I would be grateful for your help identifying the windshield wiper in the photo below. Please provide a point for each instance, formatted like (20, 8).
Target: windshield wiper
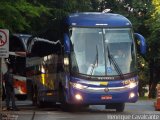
(95, 61)
(111, 59)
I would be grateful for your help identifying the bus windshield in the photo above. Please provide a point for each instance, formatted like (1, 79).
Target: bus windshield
(102, 51)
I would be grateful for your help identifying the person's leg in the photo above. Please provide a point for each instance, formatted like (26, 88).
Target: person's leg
(13, 99)
(7, 98)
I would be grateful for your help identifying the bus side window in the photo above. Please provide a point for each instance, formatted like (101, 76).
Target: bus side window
(40, 49)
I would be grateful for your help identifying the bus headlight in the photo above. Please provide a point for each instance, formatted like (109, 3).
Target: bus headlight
(79, 86)
(132, 85)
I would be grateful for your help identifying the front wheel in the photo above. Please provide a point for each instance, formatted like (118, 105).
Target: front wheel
(41, 104)
(118, 106)
(64, 105)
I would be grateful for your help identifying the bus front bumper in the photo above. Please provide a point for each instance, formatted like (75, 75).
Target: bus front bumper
(101, 96)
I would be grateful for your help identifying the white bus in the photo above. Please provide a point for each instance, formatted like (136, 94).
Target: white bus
(17, 60)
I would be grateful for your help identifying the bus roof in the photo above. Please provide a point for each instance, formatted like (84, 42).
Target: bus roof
(97, 19)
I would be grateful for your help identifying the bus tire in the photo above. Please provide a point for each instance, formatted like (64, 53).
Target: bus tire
(120, 107)
(41, 104)
(34, 96)
(64, 105)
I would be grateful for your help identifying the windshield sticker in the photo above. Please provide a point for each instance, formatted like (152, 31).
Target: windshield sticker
(109, 70)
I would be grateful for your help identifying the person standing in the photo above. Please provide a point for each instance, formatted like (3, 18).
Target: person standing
(9, 88)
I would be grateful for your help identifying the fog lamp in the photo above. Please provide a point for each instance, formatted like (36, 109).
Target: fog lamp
(131, 95)
(78, 97)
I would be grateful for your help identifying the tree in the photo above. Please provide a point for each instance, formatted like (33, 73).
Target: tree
(33, 16)
(153, 44)
(58, 9)
(16, 15)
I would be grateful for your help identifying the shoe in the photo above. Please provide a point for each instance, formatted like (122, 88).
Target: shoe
(8, 108)
(15, 109)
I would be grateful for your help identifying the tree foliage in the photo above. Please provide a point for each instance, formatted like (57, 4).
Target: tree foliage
(16, 15)
(153, 41)
(154, 23)
(32, 16)
(155, 15)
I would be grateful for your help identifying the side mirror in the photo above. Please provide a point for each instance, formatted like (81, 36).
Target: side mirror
(141, 44)
(66, 43)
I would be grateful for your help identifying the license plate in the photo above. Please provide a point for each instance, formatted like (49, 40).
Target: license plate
(106, 97)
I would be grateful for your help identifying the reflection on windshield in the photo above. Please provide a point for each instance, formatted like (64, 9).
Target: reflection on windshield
(95, 64)
(112, 61)
(89, 54)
